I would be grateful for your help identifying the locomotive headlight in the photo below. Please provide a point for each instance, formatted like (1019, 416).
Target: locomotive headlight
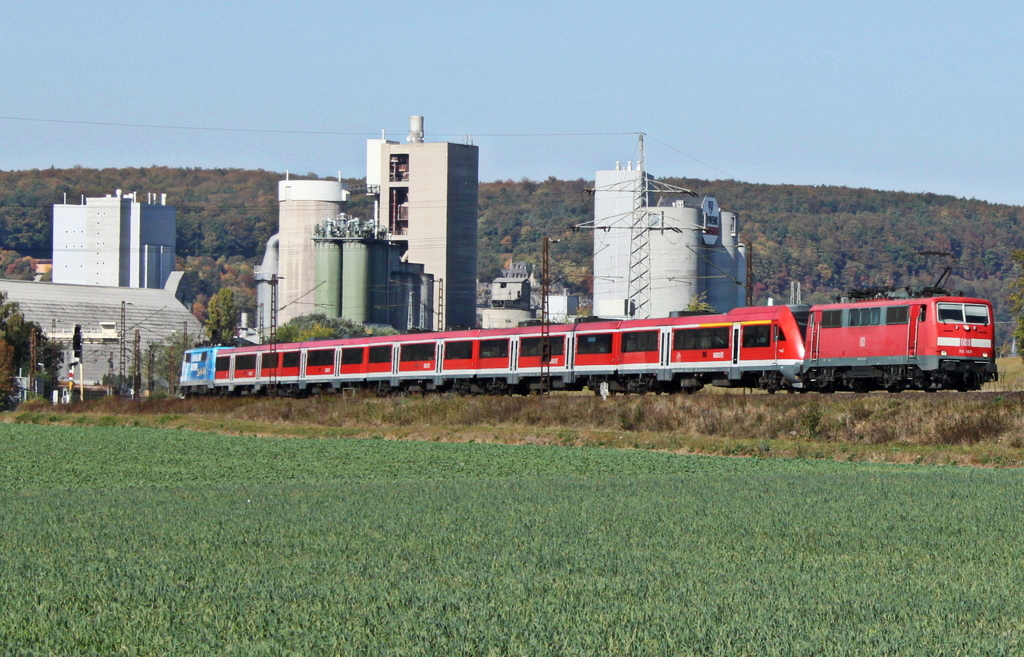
(943, 352)
(984, 354)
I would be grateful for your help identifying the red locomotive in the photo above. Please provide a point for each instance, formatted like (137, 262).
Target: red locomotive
(929, 344)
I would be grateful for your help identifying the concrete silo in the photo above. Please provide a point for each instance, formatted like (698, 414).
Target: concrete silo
(674, 252)
(726, 275)
(304, 204)
(363, 278)
(615, 197)
(677, 266)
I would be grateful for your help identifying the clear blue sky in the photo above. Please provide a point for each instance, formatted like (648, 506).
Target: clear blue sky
(914, 96)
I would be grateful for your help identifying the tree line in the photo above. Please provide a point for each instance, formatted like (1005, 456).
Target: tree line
(827, 238)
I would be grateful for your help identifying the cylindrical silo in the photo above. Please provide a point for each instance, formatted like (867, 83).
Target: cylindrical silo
(741, 275)
(675, 259)
(303, 205)
(378, 268)
(328, 294)
(721, 275)
(354, 280)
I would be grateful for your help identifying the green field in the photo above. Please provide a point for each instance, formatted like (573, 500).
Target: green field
(156, 542)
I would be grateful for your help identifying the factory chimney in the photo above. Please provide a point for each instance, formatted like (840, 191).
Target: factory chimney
(415, 130)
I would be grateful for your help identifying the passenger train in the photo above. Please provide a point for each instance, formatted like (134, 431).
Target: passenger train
(937, 343)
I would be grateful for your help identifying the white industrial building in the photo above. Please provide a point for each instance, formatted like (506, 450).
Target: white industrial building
(114, 241)
(653, 260)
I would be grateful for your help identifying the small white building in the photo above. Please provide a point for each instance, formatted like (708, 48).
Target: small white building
(510, 299)
(114, 241)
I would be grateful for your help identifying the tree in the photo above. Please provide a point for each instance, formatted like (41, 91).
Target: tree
(167, 359)
(320, 326)
(1016, 299)
(6, 373)
(699, 304)
(16, 349)
(222, 316)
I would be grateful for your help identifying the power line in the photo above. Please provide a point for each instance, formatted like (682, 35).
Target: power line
(157, 126)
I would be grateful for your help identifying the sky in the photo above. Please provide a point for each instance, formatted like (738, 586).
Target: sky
(911, 96)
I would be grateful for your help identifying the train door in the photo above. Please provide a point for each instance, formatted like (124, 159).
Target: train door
(815, 337)
(917, 315)
(736, 338)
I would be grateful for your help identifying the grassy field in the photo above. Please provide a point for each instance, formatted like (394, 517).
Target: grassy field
(143, 541)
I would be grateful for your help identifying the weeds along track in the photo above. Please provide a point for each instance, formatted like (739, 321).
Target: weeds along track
(979, 428)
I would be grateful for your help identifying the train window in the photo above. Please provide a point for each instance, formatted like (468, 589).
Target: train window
(533, 347)
(290, 359)
(352, 356)
(269, 360)
(757, 336)
(923, 315)
(639, 341)
(223, 363)
(976, 313)
(320, 358)
(701, 338)
(380, 354)
(831, 318)
(458, 350)
(246, 362)
(421, 351)
(600, 343)
(198, 357)
(494, 349)
(779, 335)
(897, 314)
(950, 313)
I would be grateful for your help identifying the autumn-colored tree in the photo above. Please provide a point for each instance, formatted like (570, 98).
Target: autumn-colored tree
(6, 373)
(320, 326)
(222, 316)
(1016, 300)
(699, 304)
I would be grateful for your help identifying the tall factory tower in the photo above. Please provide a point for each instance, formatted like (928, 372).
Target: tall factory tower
(427, 196)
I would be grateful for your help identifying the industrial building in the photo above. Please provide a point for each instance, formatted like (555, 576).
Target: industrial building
(364, 278)
(428, 195)
(321, 261)
(112, 318)
(655, 254)
(114, 241)
(302, 206)
(411, 266)
(510, 299)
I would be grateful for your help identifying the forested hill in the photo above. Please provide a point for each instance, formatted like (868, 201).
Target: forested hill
(827, 238)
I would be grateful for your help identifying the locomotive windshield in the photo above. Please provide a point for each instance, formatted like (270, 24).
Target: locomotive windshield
(963, 313)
